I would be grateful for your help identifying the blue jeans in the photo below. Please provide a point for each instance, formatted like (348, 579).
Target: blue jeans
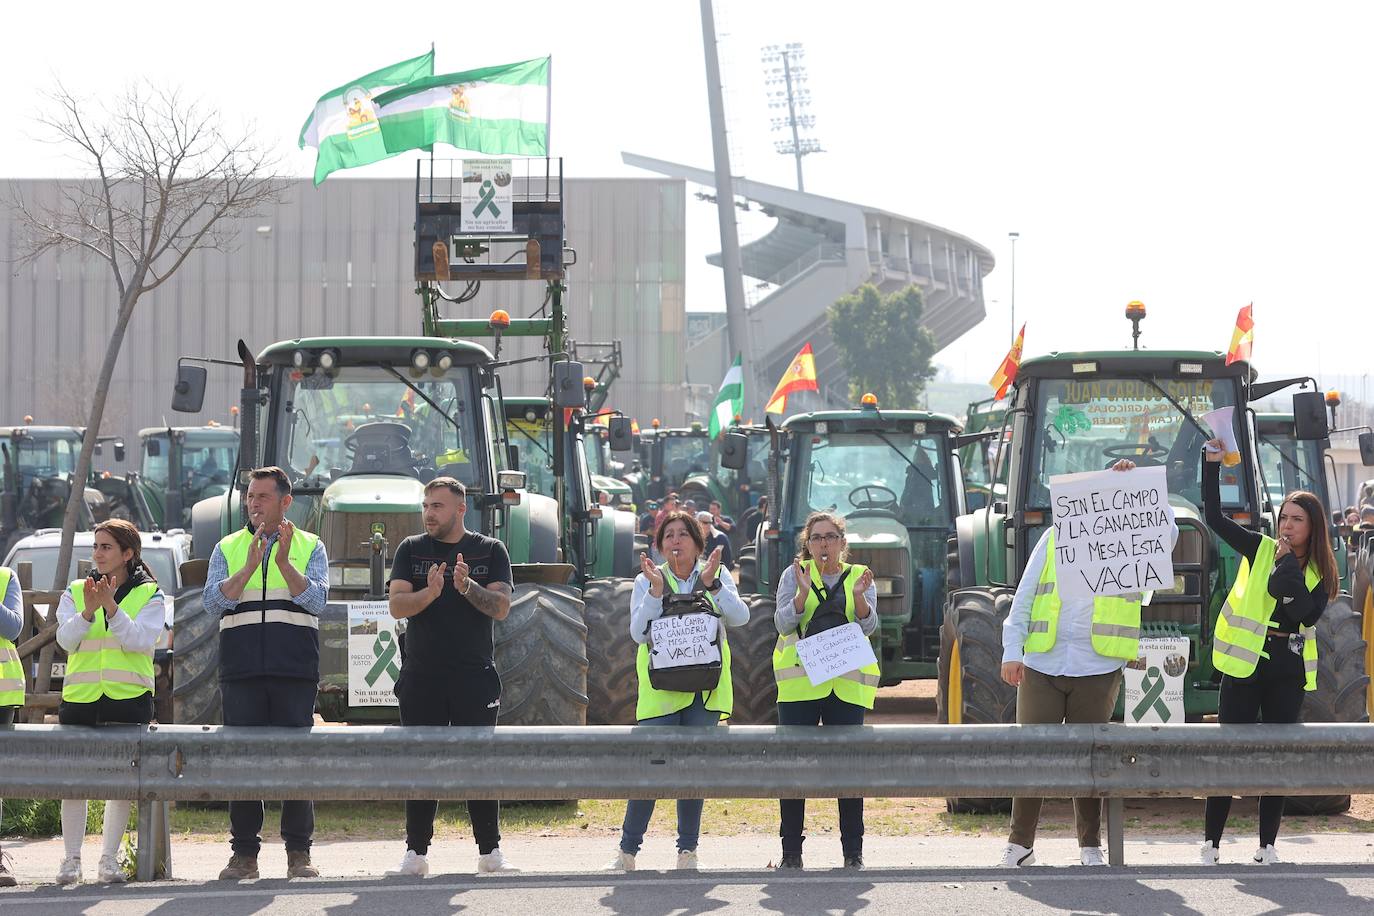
(639, 810)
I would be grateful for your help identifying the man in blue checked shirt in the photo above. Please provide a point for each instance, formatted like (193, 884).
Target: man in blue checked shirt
(269, 582)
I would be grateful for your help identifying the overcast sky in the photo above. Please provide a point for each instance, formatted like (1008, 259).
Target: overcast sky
(1196, 156)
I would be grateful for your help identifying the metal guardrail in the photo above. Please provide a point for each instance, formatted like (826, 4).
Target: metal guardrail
(160, 763)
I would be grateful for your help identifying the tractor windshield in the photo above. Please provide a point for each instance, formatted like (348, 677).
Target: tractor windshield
(1088, 425)
(684, 456)
(204, 465)
(535, 440)
(889, 473)
(1287, 464)
(365, 421)
(42, 458)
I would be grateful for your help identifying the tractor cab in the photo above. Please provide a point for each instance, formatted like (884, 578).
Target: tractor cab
(894, 477)
(180, 466)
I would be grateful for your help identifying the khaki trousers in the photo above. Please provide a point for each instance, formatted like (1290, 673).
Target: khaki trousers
(1045, 700)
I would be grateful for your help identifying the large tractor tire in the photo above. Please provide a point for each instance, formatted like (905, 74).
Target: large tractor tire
(541, 655)
(751, 664)
(747, 571)
(1342, 688)
(195, 663)
(970, 688)
(612, 683)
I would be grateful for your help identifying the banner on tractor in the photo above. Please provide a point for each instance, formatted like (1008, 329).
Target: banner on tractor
(1154, 680)
(487, 187)
(374, 655)
(1112, 532)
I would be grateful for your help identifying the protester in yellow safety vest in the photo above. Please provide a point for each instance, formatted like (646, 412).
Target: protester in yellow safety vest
(108, 625)
(11, 673)
(1265, 641)
(1064, 656)
(820, 590)
(679, 540)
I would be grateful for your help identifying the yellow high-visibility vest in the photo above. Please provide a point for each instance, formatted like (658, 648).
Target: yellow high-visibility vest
(653, 702)
(1247, 615)
(858, 687)
(1116, 619)
(100, 666)
(11, 671)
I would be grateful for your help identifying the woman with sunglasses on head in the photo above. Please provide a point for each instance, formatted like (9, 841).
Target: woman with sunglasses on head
(1265, 642)
(687, 569)
(108, 624)
(819, 591)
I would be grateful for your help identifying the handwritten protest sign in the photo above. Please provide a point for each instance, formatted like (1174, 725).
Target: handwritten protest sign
(833, 652)
(1154, 680)
(1112, 532)
(684, 639)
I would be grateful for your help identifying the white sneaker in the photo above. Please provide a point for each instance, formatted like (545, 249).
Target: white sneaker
(1266, 855)
(686, 860)
(1209, 855)
(1091, 855)
(412, 864)
(623, 861)
(109, 872)
(493, 863)
(1015, 856)
(70, 872)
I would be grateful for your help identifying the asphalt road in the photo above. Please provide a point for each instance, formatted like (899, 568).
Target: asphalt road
(1136, 892)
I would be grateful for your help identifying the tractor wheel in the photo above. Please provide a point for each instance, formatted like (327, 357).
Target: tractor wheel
(970, 688)
(751, 664)
(747, 572)
(1342, 687)
(612, 683)
(195, 663)
(541, 655)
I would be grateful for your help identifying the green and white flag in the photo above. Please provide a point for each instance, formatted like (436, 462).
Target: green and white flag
(495, 110)
(343, 128)
(729, 400)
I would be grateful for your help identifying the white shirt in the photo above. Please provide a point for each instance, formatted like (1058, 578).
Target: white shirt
(135, 634)
(1072, 654)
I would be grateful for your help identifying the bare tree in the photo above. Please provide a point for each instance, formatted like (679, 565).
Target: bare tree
(165, 182)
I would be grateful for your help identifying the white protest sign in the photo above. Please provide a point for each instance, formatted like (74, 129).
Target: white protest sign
(834, 652)
(1112, 532)
(1154, 680)
(684, 639)
(374, 655)
(1219, 421)
(486, 197)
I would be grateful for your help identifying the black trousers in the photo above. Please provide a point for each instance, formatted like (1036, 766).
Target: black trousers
(105, 711)
(830, 710)
(284, 701)
(1273, 693)
(7, 714)
(470, 696)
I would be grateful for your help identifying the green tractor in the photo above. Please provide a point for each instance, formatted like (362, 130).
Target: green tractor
(736, 489)
(604, 469)
(668, 457)
(183, 465)
(1076, 412)
(894, 476)
(361, 423)
(609, 561)
(37, 463)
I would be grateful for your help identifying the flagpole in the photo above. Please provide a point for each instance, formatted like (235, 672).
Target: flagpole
(548, 110)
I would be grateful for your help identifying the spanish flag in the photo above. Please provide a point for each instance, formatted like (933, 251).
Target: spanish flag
(1006, 373)
(1243, 337)
(800, 376)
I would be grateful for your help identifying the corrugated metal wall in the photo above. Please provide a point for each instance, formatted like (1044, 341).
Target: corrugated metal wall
(338, 260)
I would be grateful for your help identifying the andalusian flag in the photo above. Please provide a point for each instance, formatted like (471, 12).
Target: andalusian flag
(494, 110)
(1006, 373)
(1243, 337)
(343, 128)
(729, 400)
(800, 376)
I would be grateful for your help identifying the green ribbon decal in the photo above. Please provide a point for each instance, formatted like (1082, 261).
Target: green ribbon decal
(385, 647)
(1153, 686)
(487, 201)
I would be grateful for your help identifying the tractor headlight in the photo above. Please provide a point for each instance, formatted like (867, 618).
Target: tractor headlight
(886, 586)
(328, 359)
(444, 361)
(420, 359)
